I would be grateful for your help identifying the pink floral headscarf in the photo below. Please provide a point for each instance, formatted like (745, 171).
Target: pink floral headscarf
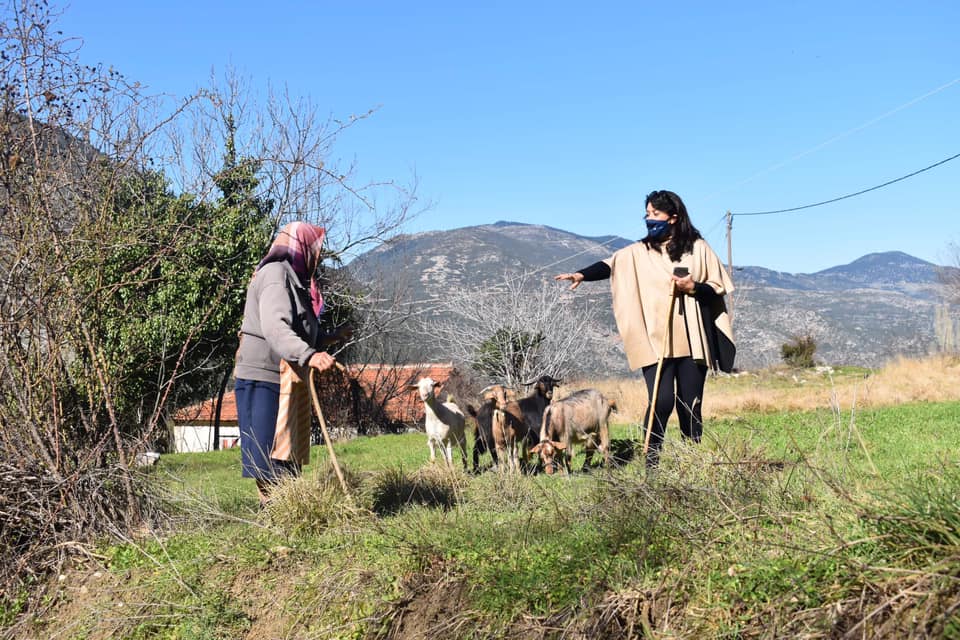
(300, 244)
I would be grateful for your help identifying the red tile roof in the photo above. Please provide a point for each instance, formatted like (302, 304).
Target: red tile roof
(203, 412)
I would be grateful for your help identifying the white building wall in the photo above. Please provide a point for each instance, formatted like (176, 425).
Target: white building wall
(193, 438)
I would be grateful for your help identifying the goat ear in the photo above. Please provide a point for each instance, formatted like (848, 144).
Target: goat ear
(559, 445)
(412, 387)
(537, 449)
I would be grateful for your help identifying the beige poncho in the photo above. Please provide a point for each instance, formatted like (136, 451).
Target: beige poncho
(640, 279)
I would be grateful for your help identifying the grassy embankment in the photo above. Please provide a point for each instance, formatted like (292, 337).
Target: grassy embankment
(818, 504)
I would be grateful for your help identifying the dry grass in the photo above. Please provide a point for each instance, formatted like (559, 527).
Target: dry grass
(932, 379)
(310, 504)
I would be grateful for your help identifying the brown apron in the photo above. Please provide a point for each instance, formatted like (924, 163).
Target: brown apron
(291, 442)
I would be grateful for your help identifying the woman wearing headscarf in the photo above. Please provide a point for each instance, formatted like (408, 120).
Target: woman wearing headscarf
(643, 277)
(280, 340)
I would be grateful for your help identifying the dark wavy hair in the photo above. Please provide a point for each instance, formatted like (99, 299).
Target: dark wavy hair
(683, 234)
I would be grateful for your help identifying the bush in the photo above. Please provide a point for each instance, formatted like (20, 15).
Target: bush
(798, 352)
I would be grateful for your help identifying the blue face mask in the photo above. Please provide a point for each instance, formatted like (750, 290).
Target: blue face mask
(656, 229)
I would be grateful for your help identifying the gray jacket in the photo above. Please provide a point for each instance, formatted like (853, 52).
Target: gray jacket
(278, 322)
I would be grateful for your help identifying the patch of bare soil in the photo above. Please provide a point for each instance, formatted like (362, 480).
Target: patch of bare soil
(263, 596)
(435, 606)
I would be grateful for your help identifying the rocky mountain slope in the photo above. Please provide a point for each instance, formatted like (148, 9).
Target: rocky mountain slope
(863, 313)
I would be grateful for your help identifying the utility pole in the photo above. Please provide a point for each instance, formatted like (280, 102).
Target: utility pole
(730, 259)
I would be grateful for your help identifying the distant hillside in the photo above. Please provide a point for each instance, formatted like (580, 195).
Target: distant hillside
(862, 313)
(888, 271)
(485, 254)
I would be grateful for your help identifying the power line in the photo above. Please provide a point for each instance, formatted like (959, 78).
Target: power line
(722, 219)
(849, 195)
(837, 137)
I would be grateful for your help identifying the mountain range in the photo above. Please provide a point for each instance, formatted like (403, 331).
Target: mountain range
(864, 313)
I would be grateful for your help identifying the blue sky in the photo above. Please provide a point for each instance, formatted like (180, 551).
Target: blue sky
(567, 114)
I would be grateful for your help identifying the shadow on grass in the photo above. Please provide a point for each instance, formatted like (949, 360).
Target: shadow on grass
(395, 490)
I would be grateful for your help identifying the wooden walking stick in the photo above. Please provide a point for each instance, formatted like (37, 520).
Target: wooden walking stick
(667, 330)
(323, 427)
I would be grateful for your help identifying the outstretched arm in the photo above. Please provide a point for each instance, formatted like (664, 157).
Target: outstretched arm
(596, 271)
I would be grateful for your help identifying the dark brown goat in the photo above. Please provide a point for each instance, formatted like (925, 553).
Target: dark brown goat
(534, 405)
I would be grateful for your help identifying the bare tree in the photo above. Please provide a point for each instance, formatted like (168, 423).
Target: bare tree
(946, 328)
(517, 331)
(946, 323)
(949, 275)
(294, 147)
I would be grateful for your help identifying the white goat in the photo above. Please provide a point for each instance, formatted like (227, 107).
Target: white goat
(444, 422)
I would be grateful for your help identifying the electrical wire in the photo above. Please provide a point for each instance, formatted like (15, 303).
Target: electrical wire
(837, 137)
(424, 306)
(849, 195)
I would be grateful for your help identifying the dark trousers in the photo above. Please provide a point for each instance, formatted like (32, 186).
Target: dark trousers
(257, 407)
(681, 386)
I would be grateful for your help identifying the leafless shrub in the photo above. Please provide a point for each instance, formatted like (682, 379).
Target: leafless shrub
(68, 131)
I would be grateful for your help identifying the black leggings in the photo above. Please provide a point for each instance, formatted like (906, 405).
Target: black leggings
(681, 385)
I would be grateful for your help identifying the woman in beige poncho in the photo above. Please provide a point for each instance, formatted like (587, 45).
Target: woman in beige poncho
(642, 279)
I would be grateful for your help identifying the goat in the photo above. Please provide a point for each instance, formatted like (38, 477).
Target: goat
(531, 407)
(444, 422)
(509, 428)
(501, 429)
(581, 417)
(483, 438)
(534, 404)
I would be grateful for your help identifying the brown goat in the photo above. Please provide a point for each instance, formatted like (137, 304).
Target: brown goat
(582, 417)
(508, 427)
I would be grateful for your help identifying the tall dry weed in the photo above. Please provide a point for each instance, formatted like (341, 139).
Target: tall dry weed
(310, 504)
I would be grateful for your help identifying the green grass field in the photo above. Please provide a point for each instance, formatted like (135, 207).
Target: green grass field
(894, 442)
(778, 525)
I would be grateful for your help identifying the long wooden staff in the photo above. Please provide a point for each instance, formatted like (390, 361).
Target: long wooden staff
(667, 330)
(323, 427)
